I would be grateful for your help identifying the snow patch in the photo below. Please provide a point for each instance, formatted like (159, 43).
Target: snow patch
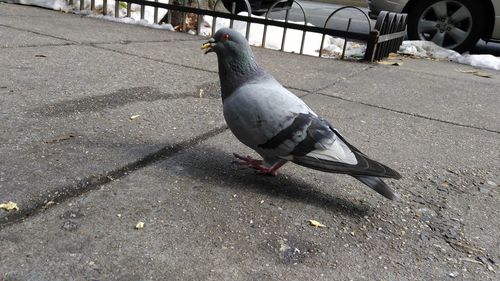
(133, 21)
(428, 49)
(332, 47)
(59, 5)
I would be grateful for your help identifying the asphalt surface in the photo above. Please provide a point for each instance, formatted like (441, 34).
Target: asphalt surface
(105, 125)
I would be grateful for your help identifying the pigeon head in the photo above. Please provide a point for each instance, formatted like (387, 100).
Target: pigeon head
(237, 64)
(228, 42)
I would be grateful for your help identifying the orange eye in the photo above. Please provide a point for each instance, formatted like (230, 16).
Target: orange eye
(225, 37)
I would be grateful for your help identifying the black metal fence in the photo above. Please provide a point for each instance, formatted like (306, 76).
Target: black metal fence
(385, 37)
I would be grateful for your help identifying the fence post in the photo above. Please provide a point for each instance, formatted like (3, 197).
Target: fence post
(371, 45)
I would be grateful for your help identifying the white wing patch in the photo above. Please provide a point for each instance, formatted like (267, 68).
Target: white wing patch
(337, 151)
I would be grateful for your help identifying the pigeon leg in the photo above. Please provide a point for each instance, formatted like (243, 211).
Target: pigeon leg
(258, 165)
(247, 160)
(271, 171)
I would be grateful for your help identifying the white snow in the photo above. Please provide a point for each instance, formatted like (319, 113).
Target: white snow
(427, 49)
(133, 21)
(135, 14)
(59, 5)
(332, 46)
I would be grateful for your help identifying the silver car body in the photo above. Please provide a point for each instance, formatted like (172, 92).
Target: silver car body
(398, 5)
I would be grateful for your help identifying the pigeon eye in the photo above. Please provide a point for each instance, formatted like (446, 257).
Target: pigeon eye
(225, 37)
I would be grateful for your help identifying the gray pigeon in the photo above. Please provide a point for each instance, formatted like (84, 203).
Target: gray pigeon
(278, 125)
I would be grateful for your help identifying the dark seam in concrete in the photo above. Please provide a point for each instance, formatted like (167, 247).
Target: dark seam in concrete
(126, 42)
(316, 91)
(340, 79)
(387, 108)
(121, 42)
(36, 46)
(412, 114)
(38, 33)
(92, 182)
(152, 59)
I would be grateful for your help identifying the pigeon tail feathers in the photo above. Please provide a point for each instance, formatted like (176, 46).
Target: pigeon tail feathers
(379, 186)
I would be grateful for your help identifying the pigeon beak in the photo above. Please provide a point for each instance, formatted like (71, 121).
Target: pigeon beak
(208, 46)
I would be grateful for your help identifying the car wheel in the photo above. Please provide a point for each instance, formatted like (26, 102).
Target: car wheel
(452, 24)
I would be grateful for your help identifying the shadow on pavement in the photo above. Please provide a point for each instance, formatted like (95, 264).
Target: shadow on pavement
(214, 167)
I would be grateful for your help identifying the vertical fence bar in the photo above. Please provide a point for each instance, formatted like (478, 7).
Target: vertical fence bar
(345, 39)
(129, 9)
(264, 34)
(169, 14)
(283, 38)
(82, 5)
(214, 22)
(233, 11)
(321, 46)
(155, 16)
(199, 18)
(247, 33)
(92, 5)
(71, 2)
(143, 8)
(371, 46)
(104, 7)
(117, 9)
(198, 25)
(302, 42)
(184, 16)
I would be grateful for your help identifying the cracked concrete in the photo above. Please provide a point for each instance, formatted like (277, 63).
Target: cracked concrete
(107, 126)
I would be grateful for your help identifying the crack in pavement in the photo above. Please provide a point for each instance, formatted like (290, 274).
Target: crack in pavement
(92, 182)
(316, 91)
(412, 114)
(154, 59)
(92, 44)
(38, 33)
(416, 115)
(40, 45)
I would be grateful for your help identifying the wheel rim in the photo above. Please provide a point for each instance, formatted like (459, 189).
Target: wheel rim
(446, 23)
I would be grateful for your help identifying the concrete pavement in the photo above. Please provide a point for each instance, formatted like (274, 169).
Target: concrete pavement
(83, 171)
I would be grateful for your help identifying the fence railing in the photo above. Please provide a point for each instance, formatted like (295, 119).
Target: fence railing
(385, 37)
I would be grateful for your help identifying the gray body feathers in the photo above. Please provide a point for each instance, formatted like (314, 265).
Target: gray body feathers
(279, 126)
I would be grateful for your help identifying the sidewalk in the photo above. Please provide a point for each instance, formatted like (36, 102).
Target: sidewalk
(107, 124)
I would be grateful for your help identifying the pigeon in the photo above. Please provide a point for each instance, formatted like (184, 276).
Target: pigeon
(278, 125)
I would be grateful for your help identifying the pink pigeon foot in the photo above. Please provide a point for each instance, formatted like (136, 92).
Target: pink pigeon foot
(258, 165)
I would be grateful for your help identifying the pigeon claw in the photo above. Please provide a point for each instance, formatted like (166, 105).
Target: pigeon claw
(265, 171)
(255, 164)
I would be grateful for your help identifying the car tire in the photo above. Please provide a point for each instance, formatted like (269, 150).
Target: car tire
(452, 24)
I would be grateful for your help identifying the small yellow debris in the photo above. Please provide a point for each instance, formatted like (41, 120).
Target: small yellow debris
(316, 223)
(9, 206)
(483, 74)
(139, 225)
(134, 116)
(201, 93)
(477, 73)
(283, 246)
